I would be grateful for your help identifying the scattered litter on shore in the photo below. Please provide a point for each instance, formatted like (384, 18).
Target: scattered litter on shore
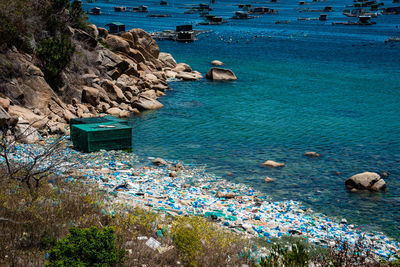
(192, 191)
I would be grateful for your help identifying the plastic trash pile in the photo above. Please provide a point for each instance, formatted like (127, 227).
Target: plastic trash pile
(193, 191)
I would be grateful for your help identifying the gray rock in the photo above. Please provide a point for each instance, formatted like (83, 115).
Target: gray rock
(167, 60)
(218, 74)
(90, 95)
(186, 76)
(366, 181)
(116, 93)
(182, 67)
(379, 186)
(118, 112)
(26, 134)
(117, 43)
(144, 40)
(147, 104)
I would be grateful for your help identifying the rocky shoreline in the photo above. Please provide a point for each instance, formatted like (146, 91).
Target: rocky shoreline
(110, 74)
(178, 189)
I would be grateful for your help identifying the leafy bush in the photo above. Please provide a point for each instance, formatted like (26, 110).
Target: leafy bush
(13, 22)
(294, 256)
(55, 54)
(78, 18)
(86, 247)
(25, 23)
(201, 243)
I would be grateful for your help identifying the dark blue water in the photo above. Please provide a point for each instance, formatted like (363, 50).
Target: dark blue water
(302, 86)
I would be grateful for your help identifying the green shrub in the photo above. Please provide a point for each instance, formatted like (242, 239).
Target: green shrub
(13, 23)
(86, 247)
(294, 256)
(55, 54)
(201, 242)
(78, 18)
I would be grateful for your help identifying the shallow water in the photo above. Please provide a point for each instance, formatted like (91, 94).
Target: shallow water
(303, 86)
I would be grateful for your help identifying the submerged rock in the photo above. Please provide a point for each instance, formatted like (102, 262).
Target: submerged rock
(273, 164)
(312, 154)
(366, 181)
(218, 74)
(268, 179)
(216, 63)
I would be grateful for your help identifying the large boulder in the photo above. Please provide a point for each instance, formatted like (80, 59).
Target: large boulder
(4, 103)
(103, 33)
(167, 60)
(187, 76)
(145, 103)
(26, 114)
(149, 94)
(366, 181)
(182, 67)
(145, 40)
(218, 74)
(136, 55)
(25, 133)
(117, 43)
(115, 93)
(90, 95)
(118, 112)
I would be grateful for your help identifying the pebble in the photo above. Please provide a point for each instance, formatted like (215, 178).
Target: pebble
(196, 192)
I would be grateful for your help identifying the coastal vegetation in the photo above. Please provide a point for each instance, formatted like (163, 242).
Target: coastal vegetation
(51, 228)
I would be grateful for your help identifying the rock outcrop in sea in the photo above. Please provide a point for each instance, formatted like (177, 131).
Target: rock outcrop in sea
(117, 75)
(219, 74)
(366, 181)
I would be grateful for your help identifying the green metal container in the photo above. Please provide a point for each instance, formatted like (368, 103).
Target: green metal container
(96, 136)
(104, 119)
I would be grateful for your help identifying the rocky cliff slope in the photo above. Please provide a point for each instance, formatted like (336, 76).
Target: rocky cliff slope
(117, 75)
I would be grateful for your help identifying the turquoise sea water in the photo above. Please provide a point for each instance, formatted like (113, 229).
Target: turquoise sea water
(302, 86)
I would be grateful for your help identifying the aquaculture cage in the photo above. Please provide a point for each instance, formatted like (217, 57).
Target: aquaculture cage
(107, 118)
(96, 136)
